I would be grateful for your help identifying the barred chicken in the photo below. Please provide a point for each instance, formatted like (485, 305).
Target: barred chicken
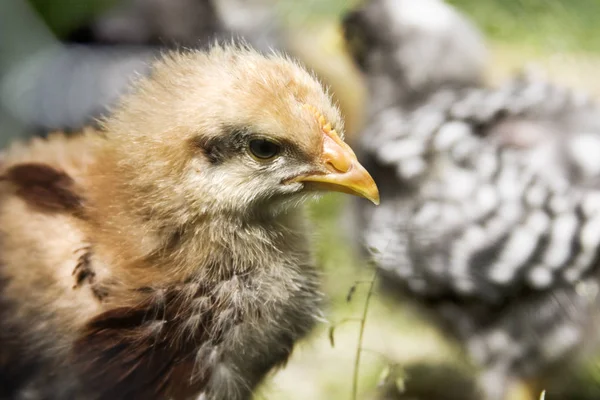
(490, 215)
(167, 256)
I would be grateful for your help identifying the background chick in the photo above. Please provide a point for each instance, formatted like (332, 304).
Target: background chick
(183, 266)
(489, 196)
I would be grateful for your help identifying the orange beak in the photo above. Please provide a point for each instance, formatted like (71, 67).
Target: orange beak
(345, 174)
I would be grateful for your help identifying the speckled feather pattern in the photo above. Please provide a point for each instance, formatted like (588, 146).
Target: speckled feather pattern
(490, 212)
(475, 181)
(490, 201)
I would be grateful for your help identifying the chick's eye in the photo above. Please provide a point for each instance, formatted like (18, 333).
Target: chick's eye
(263, 149)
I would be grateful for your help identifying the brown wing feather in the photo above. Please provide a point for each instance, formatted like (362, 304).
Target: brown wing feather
(40, 310)
(140, 351)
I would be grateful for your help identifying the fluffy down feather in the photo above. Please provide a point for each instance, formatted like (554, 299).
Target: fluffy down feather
(167, 256)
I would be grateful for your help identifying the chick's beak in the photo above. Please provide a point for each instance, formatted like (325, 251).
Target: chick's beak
(345, 174)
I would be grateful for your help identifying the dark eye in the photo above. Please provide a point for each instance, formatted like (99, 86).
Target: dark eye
(263, 149)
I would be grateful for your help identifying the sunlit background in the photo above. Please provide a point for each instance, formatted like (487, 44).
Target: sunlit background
(560, 37)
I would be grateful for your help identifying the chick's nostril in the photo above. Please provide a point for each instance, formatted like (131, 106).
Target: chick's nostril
(332, 167)
(335, 157)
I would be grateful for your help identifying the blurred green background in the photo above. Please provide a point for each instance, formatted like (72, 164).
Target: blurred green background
(557, 25)
(561, 36)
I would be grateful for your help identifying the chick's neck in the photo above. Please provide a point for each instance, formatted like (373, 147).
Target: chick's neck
(155, 246)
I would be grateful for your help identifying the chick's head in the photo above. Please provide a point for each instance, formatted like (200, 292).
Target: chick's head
(231, 130)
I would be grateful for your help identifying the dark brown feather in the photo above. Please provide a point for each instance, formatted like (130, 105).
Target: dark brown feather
(140, 351)
(44, 187)
(84, 273)
(17, 365)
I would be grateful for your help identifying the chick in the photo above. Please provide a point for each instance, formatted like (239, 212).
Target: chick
(490, 219)
(167, 256)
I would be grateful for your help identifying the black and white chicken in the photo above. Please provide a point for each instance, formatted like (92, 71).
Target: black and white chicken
(490, 197)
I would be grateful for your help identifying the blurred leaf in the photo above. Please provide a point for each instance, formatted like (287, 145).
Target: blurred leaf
(351, 293)
(394, 375)
(385, 374)
(331, 334)
(64, 15)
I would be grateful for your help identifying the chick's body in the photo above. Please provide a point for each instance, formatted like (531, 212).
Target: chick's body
(166, 256)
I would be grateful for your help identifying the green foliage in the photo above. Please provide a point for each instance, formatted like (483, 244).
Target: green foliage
(554, 25)
(65, 15)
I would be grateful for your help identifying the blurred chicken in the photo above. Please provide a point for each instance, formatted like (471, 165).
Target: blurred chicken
(167, 257)
(490, 215)
(69, 84)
